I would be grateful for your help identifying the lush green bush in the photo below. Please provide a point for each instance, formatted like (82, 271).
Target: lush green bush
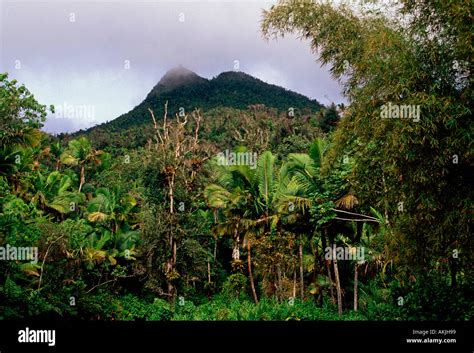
(134, 308)
(16, 302)
(235, 286)
(432, 298)
(98, 306)
(378, 302)
(223, 308)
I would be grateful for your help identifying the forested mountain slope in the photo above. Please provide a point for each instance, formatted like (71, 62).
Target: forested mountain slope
(185, 91)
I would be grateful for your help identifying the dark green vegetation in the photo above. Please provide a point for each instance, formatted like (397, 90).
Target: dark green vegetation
(161, 231)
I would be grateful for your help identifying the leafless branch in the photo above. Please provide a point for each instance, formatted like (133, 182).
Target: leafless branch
(100, 284)
(356, 220)
(44, 259)
(355, 214)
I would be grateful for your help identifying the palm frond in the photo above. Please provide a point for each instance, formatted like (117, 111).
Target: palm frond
(347, 202)
(265, 176)
(317, 150)
(216, 196)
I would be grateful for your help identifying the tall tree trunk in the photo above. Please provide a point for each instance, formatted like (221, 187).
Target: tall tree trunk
(172, 243)
(279, 285)
(300, 253)
(236, 249)
(356, 285)
(249, 260)
(328, 266)
(314, 251)
(171, 192)
(83, 177)
(208, 271)
(215, 245)
(338, 283)
(170, 265)
(294, 281)
(387, 220)
(215, 250)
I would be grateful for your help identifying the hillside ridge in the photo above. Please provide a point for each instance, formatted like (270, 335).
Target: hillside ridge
(185, 90)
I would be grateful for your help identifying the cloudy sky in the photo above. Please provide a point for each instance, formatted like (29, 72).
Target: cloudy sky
(105, 56)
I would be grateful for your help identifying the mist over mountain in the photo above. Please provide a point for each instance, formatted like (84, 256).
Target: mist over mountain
(184, 89)
(174, 78)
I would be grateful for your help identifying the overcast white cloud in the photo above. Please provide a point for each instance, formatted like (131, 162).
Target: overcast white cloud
(82, 62)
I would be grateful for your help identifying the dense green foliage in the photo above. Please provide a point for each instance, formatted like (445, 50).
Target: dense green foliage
(148, 218)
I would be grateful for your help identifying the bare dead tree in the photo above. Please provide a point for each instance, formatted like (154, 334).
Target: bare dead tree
(174, 144)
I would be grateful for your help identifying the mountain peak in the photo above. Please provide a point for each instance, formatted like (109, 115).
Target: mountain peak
(177, 72)
(175, 77)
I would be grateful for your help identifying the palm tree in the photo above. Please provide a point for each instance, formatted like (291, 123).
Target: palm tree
(245, 197)
(116, 207)
(300, 186)
(80, 152)
(53, 192)
(17, 155)
(15, 164)
(306, 187)
(231, 205)
(56, 150)
(115, 214)
(21, 137)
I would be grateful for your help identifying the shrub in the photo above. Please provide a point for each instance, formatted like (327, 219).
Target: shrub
(134, 308)
(432, 298)
(161, 311)
(235, 285)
